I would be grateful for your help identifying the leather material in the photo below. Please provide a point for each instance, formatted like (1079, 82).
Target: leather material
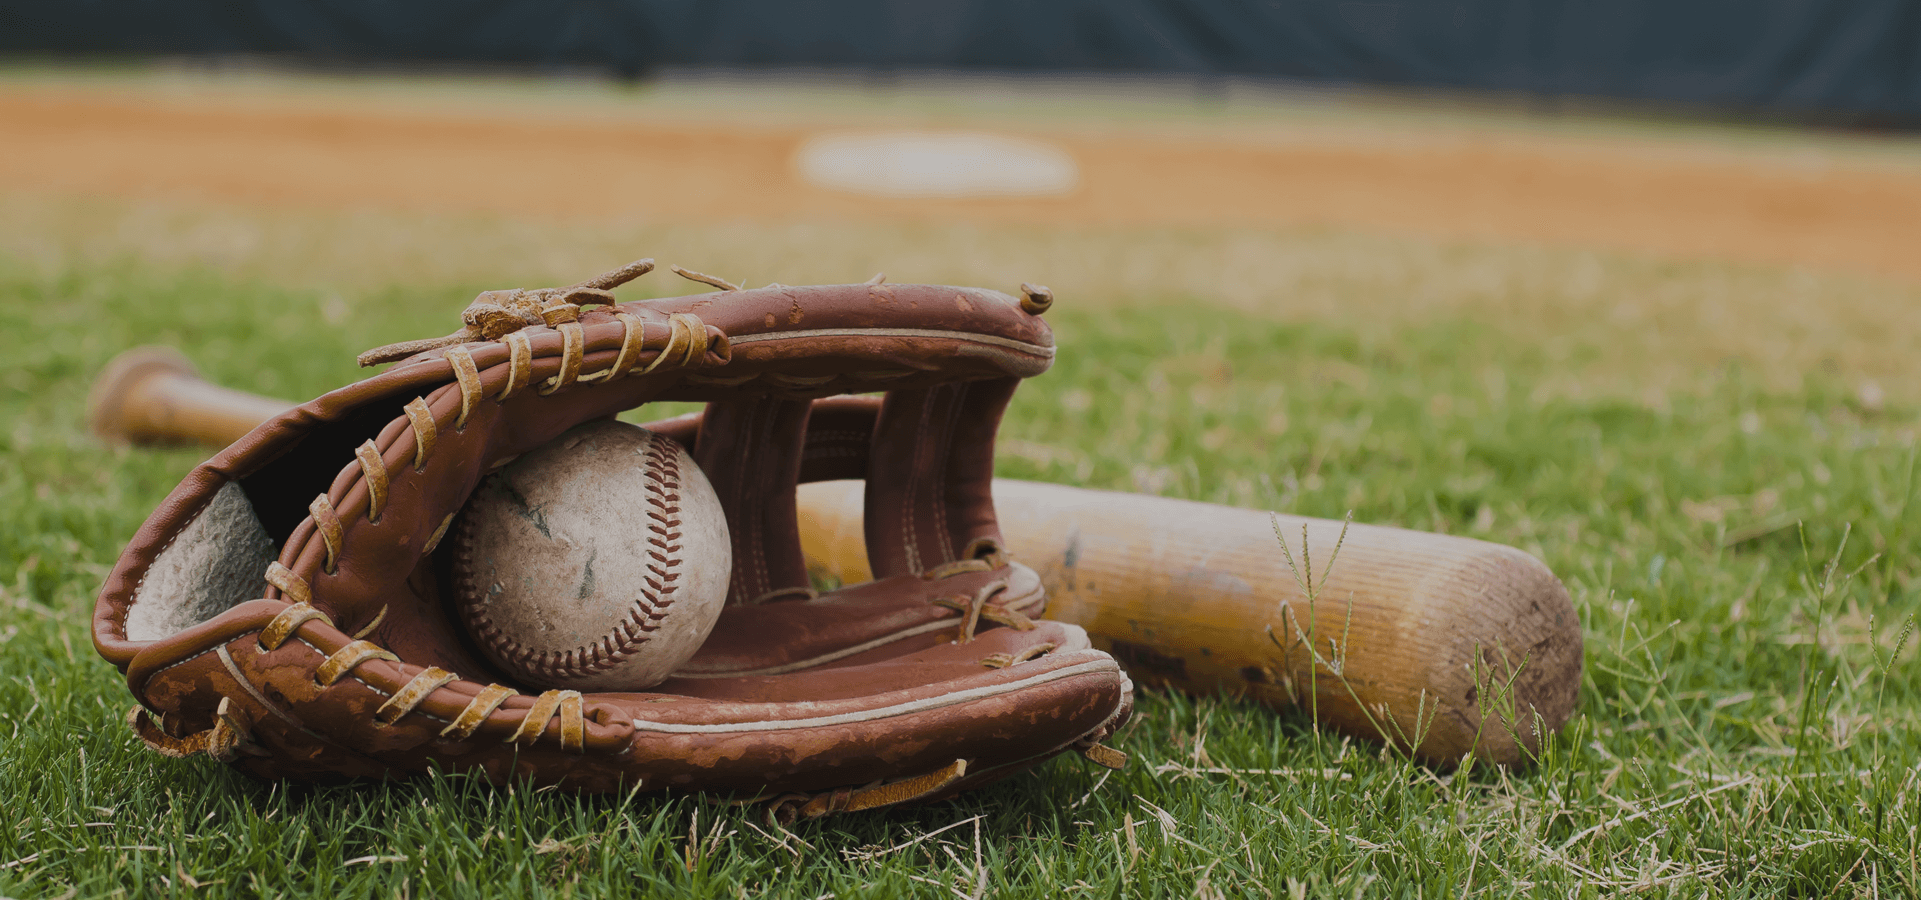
(931, 679)
(932, 471)
(750, 452)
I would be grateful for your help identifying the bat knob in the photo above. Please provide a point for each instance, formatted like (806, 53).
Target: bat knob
(154, 395)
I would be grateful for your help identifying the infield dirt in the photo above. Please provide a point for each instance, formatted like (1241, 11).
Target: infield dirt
(1666, 196)
(1644, 256)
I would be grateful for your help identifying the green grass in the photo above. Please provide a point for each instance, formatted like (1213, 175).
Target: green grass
(1740, 554)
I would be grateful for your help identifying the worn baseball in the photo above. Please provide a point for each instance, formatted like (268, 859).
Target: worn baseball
(598, 561)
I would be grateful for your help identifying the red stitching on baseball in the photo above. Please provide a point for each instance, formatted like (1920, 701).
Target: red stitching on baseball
(662, 468)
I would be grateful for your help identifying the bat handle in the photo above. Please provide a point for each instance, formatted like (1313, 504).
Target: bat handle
(153, 395)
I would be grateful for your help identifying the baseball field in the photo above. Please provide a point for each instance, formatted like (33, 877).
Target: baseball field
(1670, 357)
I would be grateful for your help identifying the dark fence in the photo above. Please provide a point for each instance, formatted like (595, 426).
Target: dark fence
(1852, 58)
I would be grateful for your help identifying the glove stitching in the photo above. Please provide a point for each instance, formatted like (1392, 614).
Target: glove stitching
(572, 342)
(421, 417)
(1005, 660)
(368, 628)
(373, 470)
(475, 714)
(943, 452)
(472, 716)
(467, 376)
(332, 533)
(520, 363)
(411, 695)
(344, 660)
(910, 495)
(356, 677)
(632, 336)
(904, 709)
(291, 587)
(174, 665)
(762, 429)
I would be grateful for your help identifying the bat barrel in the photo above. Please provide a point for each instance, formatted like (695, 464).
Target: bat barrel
(1432, 642)
(153, 395)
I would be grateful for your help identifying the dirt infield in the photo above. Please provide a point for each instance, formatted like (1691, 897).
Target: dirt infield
(1666, 198)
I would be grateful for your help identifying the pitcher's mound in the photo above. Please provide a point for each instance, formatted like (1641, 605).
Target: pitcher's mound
(936, 164)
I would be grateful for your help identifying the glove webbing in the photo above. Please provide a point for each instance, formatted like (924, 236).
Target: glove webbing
(927, 458)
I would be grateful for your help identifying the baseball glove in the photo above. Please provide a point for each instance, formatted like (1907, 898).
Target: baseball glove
(285, 610)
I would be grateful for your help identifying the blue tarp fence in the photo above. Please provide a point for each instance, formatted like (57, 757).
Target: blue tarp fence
(1858, 59)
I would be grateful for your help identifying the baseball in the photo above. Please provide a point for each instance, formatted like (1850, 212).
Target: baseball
(598, 561)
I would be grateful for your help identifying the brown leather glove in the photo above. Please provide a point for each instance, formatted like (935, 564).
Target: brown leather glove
(283, 610)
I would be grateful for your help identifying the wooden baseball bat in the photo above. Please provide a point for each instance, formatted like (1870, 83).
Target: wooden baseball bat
(1432, 642)
(1443, 645)
(153, 395)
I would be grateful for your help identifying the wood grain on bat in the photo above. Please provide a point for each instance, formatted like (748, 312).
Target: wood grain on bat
(1437, 642)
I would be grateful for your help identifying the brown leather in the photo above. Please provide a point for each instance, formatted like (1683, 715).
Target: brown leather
(931, 678)
(750, 451)
(931, 472)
